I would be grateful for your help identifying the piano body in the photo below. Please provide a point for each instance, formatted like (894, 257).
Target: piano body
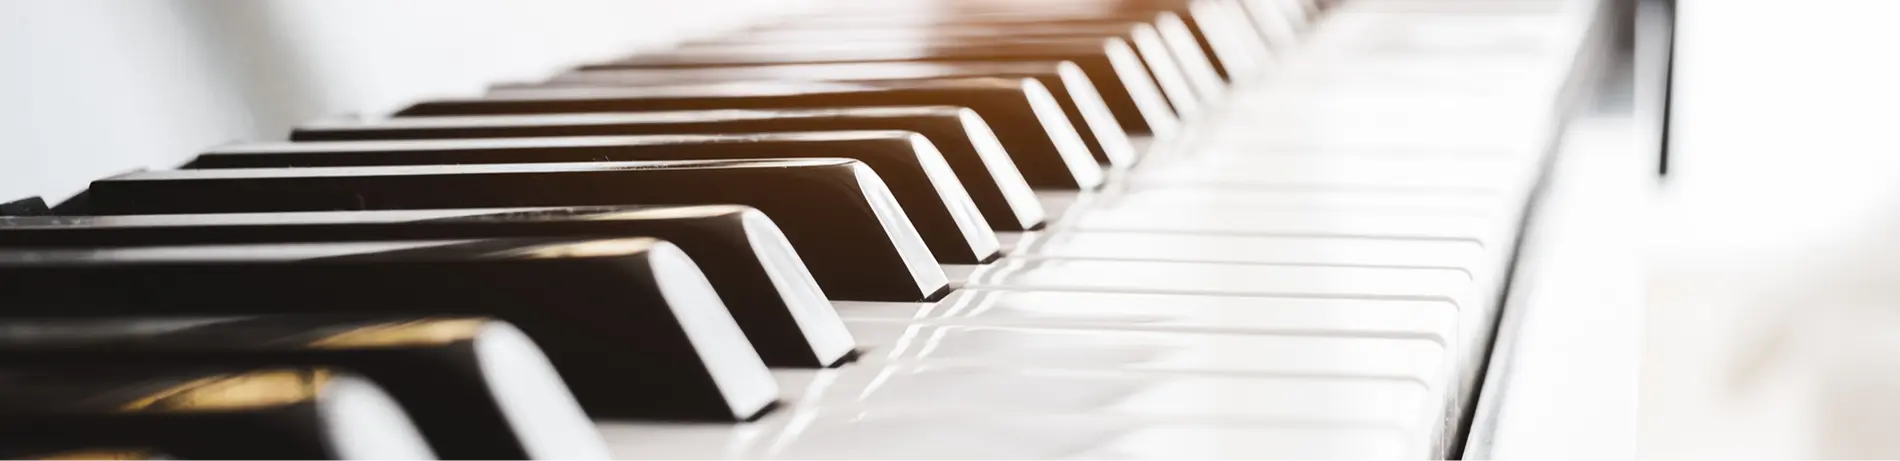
(769, 230)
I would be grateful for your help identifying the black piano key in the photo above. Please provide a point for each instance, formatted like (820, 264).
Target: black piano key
(1142, 38)
(24, 207)
(837, 213)
(271, 413)
(1195, 64)
(920, 179)
(116, 453)
(758, 275)
(631, 325)
(476, 388)
(1079, 98)
(1230, 43)
(980, 162)
(1110, 63)
(1025, 117)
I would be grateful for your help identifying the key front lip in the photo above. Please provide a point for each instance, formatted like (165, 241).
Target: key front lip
(613, 315)
(211, 413)
(461, 379)
(829, 207)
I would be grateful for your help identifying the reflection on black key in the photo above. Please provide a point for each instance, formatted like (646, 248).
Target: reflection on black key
(273, 413)
(742, 252)
(837, 213)
(964, 139)
(1110, 63)
(1219, 27)
(119, 453)
(1049, 152)
(477, 388)
(1088, 112)
(973, 42)
(1228, 39)
(920, 179)
(630, 324)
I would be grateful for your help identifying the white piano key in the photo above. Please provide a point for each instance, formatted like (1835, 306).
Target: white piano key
(1222, 279)
(1288, 223)
(1507, 71)
(1026, 391)
(1281, 127)
(1061, 205)
(1238, 164)
(1428, 34)
(1484, 77)
(1437, 321)
(1103, 349)
(686, 440)
(878, 435)
(1190, 196)
(892, 436)
(1084, 244)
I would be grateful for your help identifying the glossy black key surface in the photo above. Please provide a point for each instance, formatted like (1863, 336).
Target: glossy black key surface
(965, 141)
(1022, 113)
(270, 413)
(476, 388)
(1111, 64)
(1221, 28)
(630, 324)
(1087, 111)
(1183, 86)
(761, 279)
(1227, 36)
(837, 213)
(80, 452)
(921, 180)
(24, 207)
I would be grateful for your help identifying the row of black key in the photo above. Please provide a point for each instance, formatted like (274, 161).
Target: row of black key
(657, 245)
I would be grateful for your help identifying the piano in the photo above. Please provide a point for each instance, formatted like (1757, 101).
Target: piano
(874, 230)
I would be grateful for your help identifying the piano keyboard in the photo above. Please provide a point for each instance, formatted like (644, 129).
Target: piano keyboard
(888, 230)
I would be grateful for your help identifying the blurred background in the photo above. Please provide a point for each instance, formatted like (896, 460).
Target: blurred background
(97, 87)
(1773, 283)
(1760, 276)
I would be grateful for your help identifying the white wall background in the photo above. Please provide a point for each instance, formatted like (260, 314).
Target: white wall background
(1774, 306)
(89, 88)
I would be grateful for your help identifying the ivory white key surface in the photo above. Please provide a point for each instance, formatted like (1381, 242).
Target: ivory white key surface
(1472, 73)
(996, 397)
(1286, 222)
(1214, 197)
(1457, 122)
(1008, 390)
(1060, 206)
(1222, 278)
(1004, 391)
(1431, 320)
(878, 435)
(1083, 244)
(1088, 348)
(1338, 172)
